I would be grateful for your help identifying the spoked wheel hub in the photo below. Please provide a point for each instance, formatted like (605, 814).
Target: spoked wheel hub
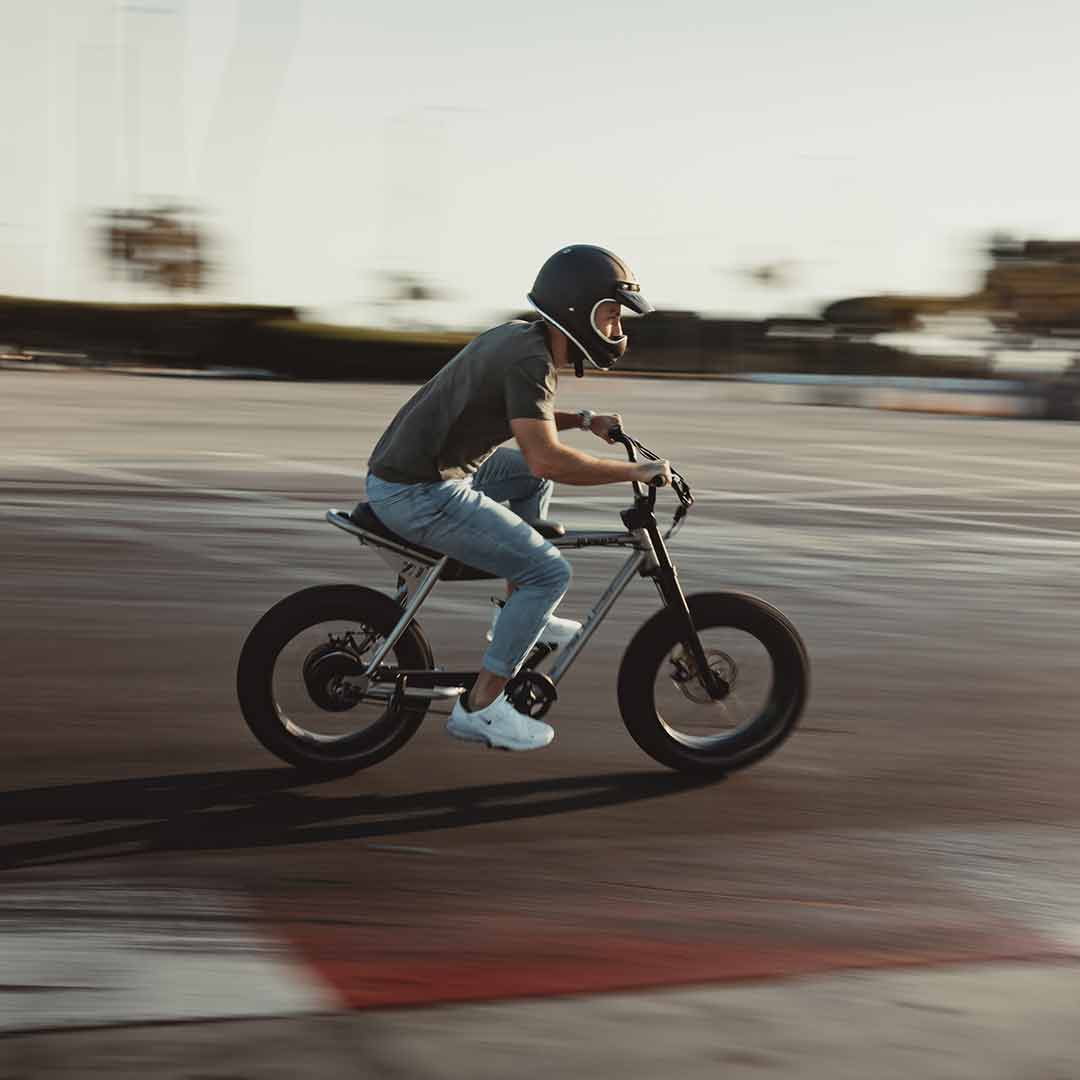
(685, 676)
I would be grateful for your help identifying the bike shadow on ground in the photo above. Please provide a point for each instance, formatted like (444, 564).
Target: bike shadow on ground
(251, 808)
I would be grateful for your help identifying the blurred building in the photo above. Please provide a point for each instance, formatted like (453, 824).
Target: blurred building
(1029, 287)
(1036, 281)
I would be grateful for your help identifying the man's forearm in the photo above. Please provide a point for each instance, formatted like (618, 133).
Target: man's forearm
(564, 421)
(569, 466)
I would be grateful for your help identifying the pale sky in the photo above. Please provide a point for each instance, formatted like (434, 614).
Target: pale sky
(870, 146)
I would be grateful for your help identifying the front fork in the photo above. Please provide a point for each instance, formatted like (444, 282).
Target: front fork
(666, 579)
(641, 520)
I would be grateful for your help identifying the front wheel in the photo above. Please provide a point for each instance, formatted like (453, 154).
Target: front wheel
(758, 657)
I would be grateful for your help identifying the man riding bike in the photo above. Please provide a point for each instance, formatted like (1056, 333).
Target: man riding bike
(436, 478)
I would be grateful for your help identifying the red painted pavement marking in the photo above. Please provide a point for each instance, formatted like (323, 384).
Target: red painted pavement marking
(395, 966)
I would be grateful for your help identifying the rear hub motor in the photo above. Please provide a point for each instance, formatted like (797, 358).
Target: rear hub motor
(331, 675)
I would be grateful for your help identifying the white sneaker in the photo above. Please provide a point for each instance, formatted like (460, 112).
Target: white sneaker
(499, 725)
(558, 632)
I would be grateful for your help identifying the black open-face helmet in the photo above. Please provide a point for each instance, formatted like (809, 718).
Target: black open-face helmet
(571, 285)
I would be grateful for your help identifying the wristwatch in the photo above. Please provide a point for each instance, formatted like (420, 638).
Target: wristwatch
(586, 418)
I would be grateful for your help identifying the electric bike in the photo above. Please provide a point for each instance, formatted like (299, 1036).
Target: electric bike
(336, 678)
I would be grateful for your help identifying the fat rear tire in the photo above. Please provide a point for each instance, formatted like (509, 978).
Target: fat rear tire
(255, 674)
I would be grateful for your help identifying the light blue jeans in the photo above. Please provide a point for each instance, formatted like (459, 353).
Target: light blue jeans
(466, 520)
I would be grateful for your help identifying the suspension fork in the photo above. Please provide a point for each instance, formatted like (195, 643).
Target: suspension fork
(666, 579)
(641, 519)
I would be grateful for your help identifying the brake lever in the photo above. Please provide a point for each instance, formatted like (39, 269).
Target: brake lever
(678, 484)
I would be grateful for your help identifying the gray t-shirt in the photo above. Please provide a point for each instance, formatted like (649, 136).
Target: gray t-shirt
(456, 419)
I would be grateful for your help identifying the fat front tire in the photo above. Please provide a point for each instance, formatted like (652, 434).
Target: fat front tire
(652, 659)
(358, 742)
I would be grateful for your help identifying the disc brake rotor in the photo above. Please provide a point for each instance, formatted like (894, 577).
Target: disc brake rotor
(684, 674)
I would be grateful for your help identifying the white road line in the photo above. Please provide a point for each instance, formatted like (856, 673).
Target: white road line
(936, 517)
(903, 489)
(1017, 482)
(84, 953)
(1065, 512)
(1050, 510)
(356, 472)
(812, 502)
(915, 451)
(130, 476)
(126, 476)
(886, 490)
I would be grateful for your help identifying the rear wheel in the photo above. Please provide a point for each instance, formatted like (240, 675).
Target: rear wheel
(299, 679)
(756, 654)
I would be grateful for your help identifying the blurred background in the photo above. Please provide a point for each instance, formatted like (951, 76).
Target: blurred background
(848, 172)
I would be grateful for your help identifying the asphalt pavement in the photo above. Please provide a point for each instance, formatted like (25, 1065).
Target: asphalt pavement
(922, 817)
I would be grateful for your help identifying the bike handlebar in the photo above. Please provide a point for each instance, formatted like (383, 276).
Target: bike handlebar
(681, 487)
(616, 434)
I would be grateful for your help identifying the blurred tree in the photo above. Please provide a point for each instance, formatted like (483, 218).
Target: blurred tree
(407, 299)
(410, 287)
(160, 246)
(772, 275)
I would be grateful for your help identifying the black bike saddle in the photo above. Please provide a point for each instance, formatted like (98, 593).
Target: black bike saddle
(364, 517)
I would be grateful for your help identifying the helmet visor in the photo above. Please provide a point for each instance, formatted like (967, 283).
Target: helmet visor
(630, 295)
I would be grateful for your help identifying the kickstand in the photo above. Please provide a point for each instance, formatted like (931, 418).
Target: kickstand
(398, 698)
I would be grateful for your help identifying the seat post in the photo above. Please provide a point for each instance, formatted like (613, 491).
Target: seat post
(427, 583)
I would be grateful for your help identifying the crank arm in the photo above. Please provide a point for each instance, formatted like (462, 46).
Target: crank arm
(431, 693)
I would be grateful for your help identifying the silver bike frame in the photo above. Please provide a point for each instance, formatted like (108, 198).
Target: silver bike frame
(598, 614)
(421, 593)
(643, 557)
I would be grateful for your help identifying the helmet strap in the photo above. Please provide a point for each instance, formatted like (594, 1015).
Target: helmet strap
(572, 343)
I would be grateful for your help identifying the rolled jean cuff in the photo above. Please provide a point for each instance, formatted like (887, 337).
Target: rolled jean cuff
(497, 667)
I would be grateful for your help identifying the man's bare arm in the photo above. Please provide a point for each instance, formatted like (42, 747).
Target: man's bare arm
(601, 424)
(564, 421)
(549, 458)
